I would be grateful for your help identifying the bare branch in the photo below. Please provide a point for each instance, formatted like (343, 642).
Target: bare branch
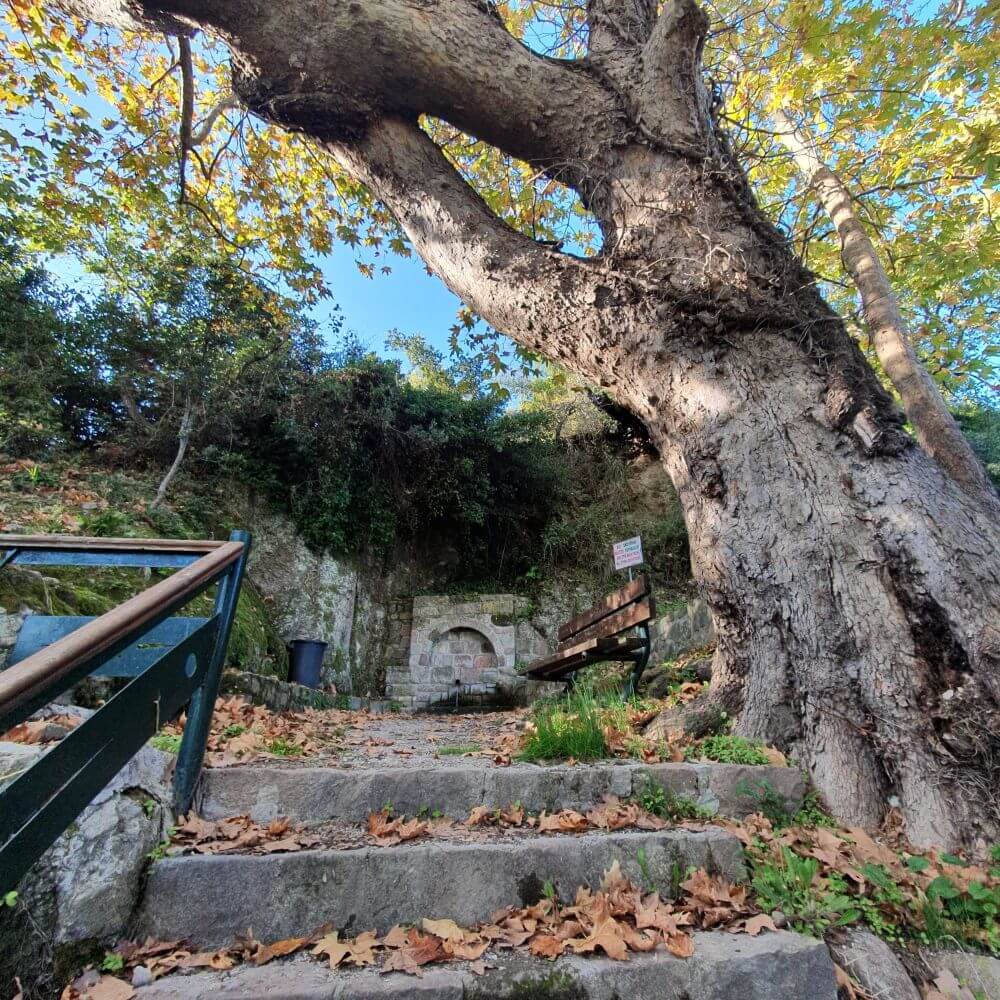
(183, 439)
(205, 129)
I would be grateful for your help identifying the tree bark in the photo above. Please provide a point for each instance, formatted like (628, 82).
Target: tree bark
(936, 429)
(855, 587)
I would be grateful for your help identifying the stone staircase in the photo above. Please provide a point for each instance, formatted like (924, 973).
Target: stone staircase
(209, 899)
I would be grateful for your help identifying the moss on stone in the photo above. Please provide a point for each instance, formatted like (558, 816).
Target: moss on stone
(554, 986)
(254, 644)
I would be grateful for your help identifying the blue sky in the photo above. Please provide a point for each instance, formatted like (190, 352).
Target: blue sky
(409, 300)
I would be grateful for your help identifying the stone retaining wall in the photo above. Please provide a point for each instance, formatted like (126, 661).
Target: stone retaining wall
(277, 695)
(676, 633)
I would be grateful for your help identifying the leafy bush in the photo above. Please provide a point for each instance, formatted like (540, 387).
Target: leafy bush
(363, 460)
(167, 742)
(972, 911)
(900, 898)
(789, 884)
(981, 425)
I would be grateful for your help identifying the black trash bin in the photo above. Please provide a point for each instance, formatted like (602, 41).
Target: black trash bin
(307, 662)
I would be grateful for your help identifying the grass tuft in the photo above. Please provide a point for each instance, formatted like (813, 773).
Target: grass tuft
(569, 727)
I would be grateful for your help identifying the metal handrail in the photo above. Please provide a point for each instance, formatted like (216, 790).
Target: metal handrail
(166, 678)
(45, 668)
(83, 543)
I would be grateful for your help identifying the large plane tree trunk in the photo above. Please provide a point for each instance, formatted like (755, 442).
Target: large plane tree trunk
(855, 588)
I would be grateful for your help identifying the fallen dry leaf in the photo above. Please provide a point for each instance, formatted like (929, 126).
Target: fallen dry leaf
(447, 930)
(109, 988)
(608, 937)
(547, 946)
(761, 922)
(279, 949)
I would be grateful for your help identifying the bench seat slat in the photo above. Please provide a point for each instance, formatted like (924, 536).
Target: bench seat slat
(593, 651)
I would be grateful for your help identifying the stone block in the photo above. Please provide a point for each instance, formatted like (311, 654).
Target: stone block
(723, 967)
(978, 973)
(873, 964)
(678, 780)
(290, 895)
(738, 790)
(15, 758)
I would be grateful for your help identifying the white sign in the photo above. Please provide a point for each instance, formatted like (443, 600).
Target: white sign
(628, 553)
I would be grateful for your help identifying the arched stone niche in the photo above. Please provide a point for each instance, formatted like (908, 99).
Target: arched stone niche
(465, 657)
(465, 648)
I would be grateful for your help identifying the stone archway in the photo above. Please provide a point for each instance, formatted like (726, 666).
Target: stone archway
(462, 647)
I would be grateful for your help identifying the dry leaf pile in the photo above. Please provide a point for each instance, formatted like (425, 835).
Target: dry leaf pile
(615, 920)
(243, 732)
(48, 730)
(611, 814)
(238, 834)
(388, 830)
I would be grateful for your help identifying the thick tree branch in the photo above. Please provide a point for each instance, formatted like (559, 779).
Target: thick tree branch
(936, 429)
(672, 100)
(510, 280)
(331, 69)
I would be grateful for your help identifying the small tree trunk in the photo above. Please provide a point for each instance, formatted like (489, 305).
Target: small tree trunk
(183, 438)
(936, 429)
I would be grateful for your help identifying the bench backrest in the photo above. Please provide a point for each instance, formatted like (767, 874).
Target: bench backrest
(621, 610)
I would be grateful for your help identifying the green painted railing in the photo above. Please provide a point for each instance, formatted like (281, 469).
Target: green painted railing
(172, 661)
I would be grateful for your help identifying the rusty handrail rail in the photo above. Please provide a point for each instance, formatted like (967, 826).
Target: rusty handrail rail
(79, 543)
(24, 680)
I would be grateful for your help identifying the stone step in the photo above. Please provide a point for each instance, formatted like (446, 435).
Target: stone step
(317, 794)
(779, 966)
(209, 899)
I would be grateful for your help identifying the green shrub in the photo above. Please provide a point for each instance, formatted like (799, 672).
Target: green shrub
(168, 742)
(790, 884)
(981, 425)
(971, 913)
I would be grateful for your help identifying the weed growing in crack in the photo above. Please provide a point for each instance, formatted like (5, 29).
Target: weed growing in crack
(168, 742)
(727, 749)
(656, 799)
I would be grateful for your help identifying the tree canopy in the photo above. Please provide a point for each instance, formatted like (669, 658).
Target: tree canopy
(903, 104)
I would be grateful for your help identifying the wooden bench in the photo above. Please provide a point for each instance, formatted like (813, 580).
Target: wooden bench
(616, 629)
